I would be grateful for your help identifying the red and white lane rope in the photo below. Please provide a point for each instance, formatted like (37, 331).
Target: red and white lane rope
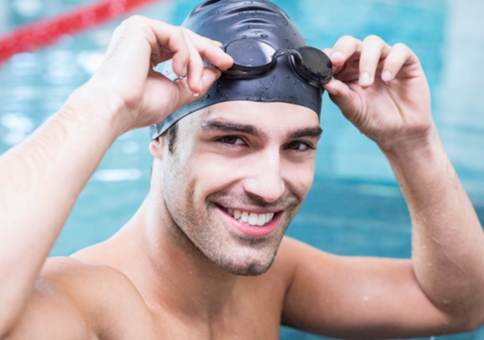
(43, 33)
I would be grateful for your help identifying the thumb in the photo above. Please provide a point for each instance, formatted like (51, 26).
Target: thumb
(345, 98)
(209, 76)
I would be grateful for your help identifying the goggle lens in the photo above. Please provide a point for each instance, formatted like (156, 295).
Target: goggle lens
(316, 61)
(254, 57)
(250, 53)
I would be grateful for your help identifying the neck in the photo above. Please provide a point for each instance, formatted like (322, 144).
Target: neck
(170, 271)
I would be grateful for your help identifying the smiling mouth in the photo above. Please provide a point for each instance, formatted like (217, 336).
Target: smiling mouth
(249, 218)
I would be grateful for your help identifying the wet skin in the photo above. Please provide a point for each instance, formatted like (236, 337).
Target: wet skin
(183, 267)
(181, 242)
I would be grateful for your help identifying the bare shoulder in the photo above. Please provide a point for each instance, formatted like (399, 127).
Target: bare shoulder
(86, 280)
(77, 300)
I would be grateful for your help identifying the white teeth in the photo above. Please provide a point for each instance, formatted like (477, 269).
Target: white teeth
(252, 219)
(244, 217)
(261, 219)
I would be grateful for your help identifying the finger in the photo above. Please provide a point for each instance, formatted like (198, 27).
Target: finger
(205, 39)
(211, 51)
(209, 76)
(345, 48)
(374, 49)
(163, 36)
(195, 67)
(399, 56)
(345, 98)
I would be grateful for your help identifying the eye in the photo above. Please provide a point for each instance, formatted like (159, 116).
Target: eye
(231, 140)
(298, 146)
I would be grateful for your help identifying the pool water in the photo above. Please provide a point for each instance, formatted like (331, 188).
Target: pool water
(355, 206)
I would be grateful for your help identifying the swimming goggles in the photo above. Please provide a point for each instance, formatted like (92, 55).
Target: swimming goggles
(254, 58)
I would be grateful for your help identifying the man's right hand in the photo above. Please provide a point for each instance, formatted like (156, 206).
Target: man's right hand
(45, 174)
(146, 96)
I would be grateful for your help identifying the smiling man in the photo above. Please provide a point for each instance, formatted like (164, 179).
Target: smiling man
(205, 256)
(233, 182)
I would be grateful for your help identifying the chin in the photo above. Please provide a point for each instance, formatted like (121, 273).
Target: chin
(244, 269)
(245, 263)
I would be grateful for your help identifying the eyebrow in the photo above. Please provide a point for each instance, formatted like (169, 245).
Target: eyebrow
(224, 126)
(219, 125)
(312, 132)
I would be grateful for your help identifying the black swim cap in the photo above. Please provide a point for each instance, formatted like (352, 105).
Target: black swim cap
(229, 20)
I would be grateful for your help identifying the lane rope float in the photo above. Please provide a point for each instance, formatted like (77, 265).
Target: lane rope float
(45, 32)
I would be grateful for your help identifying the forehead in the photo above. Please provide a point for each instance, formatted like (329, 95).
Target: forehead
(269, 117)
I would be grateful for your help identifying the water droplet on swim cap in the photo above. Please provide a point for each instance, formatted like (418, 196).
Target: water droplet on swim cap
(229, 20)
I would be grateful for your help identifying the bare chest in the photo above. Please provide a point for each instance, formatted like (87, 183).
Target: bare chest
(250, 322)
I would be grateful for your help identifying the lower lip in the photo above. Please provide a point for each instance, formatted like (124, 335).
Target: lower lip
(266, 230)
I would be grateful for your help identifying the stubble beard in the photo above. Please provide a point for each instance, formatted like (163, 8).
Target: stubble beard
(204, 228)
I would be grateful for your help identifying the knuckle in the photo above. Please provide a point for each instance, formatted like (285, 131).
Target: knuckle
(400, 46)
(133, 23)
(347, 39)
(373, 39)
(134, 20)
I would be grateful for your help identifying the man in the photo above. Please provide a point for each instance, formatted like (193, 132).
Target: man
(204, 257)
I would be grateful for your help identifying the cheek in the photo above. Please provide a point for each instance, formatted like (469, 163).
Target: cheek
(213, 172)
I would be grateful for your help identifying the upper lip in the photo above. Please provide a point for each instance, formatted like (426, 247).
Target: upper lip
(255, 210)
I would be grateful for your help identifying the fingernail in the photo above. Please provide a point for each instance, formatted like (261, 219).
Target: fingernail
(386, 76)
(196, 94)
(336, 55)
(365, 78)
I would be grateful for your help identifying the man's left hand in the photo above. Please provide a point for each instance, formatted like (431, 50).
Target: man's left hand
(381, 89)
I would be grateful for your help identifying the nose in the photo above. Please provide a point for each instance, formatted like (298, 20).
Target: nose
(265, 179)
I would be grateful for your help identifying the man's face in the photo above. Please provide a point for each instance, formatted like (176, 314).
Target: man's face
(238, 174)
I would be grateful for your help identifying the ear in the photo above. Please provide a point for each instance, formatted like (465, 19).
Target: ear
(156, 147)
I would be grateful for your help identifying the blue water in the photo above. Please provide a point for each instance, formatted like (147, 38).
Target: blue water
(355, 206)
